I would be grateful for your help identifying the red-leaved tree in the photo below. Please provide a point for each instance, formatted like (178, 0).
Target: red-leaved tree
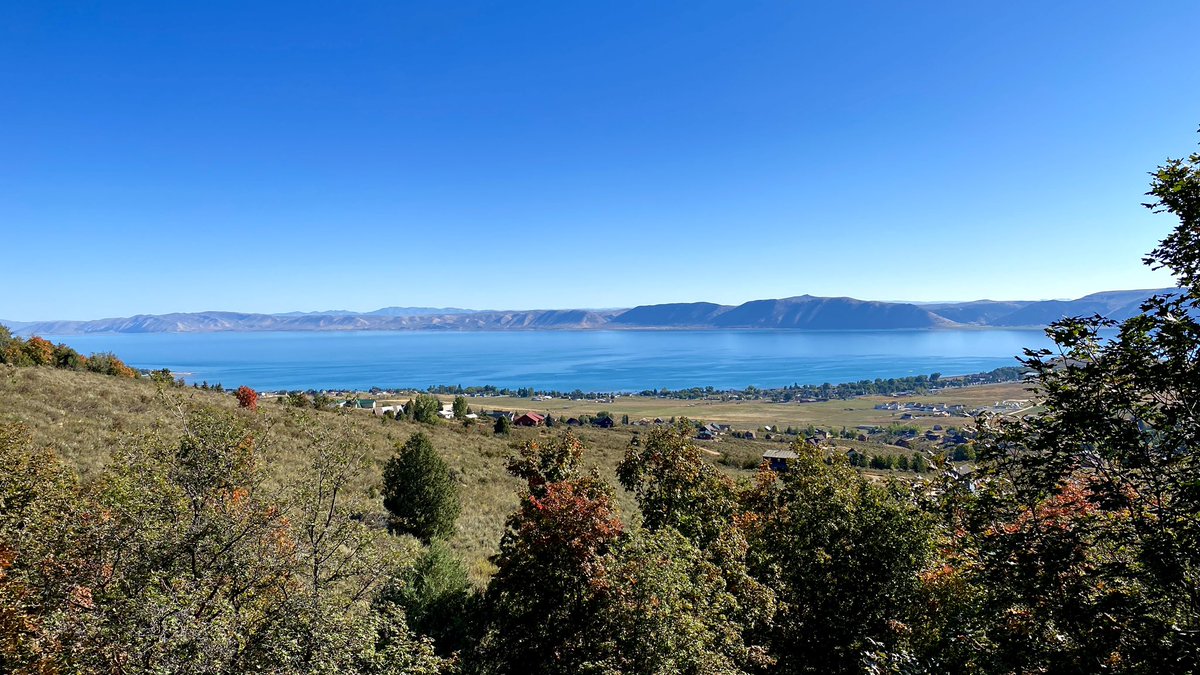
(247, 397)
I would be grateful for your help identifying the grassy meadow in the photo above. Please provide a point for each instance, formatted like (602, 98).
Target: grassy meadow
(84, 416)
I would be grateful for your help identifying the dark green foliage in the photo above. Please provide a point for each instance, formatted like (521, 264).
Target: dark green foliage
(665, 607)
(919, 464)
(107, 363)
(503, 425)
(460, 408)
(423, 408)
(65, 357)
(843, 556)
(674, 485)
(551, 462)
(436, 597)
(419, 491)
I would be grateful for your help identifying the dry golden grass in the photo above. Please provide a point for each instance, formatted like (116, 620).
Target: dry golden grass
(83, 416)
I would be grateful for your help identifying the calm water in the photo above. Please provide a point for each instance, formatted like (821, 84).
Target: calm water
(563, 360)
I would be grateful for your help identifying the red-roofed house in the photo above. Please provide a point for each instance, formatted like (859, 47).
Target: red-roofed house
(529, 420)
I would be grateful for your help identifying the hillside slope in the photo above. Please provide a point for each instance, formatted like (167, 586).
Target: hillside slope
(83, 416)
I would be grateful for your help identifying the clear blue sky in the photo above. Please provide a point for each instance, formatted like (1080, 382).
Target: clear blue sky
(172, 156)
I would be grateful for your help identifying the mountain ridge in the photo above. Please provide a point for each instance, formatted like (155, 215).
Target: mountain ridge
(800, 312)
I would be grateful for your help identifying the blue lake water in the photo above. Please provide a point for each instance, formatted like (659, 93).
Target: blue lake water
(562, 360)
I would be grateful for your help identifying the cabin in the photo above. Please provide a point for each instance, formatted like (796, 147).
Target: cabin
(777, 459)
(529, 419)
(603, 422)
(705, 435)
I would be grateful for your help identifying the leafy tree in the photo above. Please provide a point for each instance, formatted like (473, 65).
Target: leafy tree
(552, 462)
(40, 351)
(678, 490)
(843, 556)
(460, 408)
(436, 598)
(247, 397)
(675, 487)
(424, 408)
(665, 607)
(12, 349)
(1083, 540)
(541, 602)
(107, 363)
(419, 491)
(503, 425)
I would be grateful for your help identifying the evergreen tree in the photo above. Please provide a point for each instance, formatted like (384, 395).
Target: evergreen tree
(419, 491)
(424, 408)
(460, 408)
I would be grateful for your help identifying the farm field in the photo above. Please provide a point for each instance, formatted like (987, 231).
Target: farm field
(754, 414)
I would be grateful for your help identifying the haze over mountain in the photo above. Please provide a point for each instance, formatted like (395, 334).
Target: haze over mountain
(384, 311)
(803, 312)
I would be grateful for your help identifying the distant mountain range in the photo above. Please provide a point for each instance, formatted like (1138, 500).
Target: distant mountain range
(803, 312)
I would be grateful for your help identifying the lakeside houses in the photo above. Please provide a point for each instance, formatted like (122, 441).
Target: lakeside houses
(359, 403)
(913, 409)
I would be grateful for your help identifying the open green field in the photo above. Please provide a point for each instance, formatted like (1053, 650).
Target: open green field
(751, 415)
